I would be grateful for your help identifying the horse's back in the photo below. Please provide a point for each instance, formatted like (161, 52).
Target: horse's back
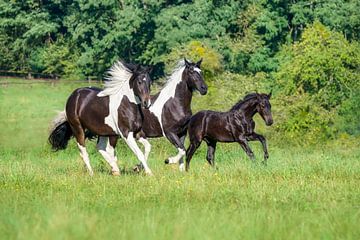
(82, 107)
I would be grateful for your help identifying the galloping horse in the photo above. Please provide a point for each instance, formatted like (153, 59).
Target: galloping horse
(114, 111)
(170, 111)
(236, 125)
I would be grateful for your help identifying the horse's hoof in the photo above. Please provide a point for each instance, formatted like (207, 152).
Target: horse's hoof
(167, 161)
(149, 174)
(138, 168)
(115, 173)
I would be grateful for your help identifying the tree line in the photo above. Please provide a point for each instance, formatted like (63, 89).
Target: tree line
(307, 51)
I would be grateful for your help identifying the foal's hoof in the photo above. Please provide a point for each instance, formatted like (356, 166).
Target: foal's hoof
(167, 161)
(115, 173)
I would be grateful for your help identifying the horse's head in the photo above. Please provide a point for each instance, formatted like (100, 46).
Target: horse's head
(193, 77)
(140, 83)
(264, 108)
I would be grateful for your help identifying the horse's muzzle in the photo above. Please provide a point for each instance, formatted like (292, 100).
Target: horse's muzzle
(269, 122)
(203, 90)
(147, 103)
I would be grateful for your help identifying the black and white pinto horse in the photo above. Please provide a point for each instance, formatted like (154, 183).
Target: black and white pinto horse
(236, 125)
(170, 110)
(114, 111)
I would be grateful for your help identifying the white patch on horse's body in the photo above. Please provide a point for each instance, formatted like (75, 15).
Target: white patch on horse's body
(85, 157)
(175, 159)
(108, 152)
(116, 87)
(167, 92)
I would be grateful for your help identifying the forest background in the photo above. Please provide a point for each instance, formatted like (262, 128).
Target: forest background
(306, 52)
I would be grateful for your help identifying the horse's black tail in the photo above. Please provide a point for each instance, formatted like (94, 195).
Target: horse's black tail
(60, 132)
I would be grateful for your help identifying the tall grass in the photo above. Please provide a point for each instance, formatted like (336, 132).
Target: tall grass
(304, 193)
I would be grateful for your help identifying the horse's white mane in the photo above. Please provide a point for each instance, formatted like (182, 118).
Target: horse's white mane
(118, 76)
(176, 74)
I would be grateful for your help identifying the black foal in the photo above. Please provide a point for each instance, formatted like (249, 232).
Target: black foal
(236, 125)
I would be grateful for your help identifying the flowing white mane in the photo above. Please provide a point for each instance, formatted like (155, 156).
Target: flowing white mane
(167, 92)
(117, 80)
(176, 74)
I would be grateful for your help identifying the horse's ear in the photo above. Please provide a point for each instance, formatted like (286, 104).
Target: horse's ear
(136, 67)
(198, 64)
(258, 96)
(187, 63)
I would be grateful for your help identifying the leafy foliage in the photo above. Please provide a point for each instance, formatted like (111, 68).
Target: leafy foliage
(306, 51)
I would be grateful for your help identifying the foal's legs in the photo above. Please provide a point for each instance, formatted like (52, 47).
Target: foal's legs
(108, 152)
(211, 152)
(262, 139)
(245, 145)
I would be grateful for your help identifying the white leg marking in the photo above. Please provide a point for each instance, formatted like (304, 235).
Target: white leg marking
(147, 147)
(85, 157)
(108, 152)
(176, 158)
(182, 167)
(130, 141)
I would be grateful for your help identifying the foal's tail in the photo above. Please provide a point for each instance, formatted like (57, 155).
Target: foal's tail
(60, 132)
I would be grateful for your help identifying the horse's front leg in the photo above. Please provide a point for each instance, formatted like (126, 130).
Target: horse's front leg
(131, 142)
(176, 141)
(245, 145)
(262, 139)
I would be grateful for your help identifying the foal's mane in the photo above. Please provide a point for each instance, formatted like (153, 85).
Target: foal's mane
(244, 100)
(117, 78)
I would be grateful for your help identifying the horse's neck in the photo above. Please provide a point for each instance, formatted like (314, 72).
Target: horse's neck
(180, 91)
(248, 109)
(183, 94)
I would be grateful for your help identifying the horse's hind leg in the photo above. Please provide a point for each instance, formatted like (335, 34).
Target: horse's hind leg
(211, 152)
(108, 153)
(80, 140)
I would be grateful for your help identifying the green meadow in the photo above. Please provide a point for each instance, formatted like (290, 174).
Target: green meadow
(307, 191)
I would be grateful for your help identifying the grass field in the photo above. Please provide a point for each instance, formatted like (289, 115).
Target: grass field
(304, 193)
